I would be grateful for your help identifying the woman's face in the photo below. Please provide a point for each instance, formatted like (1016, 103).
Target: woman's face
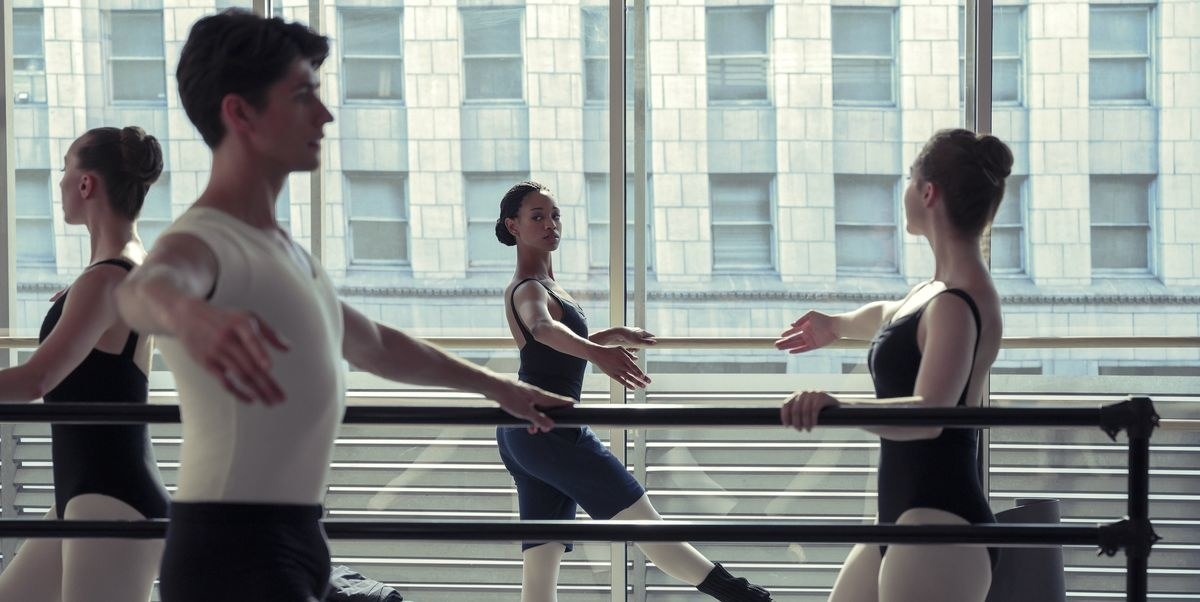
(71, 186)
(538, 223)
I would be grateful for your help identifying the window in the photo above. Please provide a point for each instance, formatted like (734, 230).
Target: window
(1119, 51)
(156, 211)
(29, 58)
(35, 218)
(1008, 230)
(492, 64)
(1008, 48)
(138, 67)
(864, 209)
(378, 215)
(484, 192)
(599, 220)
(595, 56)
(737, 53)
(1120, 215)
(372, 55)
(742, 230)
(864, 56)
(283, 206)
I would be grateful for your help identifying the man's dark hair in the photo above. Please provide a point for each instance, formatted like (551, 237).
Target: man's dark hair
(238, 52)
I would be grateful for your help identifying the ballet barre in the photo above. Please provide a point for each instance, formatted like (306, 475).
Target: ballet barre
(1134, 533)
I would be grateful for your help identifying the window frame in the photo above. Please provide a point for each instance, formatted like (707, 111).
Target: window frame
(1148, 12)
(772, 265)
(710, 56)
(111, 59)
(1150, 181)
(32, 75)
(1019, 58)
(1021, 226)
(893, 58)
(352, 260)
(893, 226)
(398, 13)
(519, 10)
(19, 219)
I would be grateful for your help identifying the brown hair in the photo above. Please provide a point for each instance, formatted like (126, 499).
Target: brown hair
(128, 160)
(970, 170)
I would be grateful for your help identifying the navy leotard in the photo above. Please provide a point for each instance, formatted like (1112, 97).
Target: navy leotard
(114, 460)
(943, 472)
(554, 471)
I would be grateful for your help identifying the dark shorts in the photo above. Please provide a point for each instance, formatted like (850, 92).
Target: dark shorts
(244, 553)
(554, 471)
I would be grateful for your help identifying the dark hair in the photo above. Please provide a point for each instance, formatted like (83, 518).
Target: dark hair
(128, 160)
(511, 204)
(970, 169)
(238, 52)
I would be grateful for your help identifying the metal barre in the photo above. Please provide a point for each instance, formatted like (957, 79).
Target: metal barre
(1135, 533)
(1110, 417)
(1007, 535)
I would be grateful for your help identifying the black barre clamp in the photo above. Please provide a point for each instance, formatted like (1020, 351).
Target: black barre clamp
(1135, 415)
(1136, 537)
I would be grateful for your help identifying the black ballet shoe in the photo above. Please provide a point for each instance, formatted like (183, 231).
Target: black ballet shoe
(727, 588)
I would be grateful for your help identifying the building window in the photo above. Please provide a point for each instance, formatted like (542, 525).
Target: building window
(377, 209)
(737, 53)
(1120, 216)
(492, 63)
(1119, 52)
(35, 218)
(1008, 229)
(483, 192)
(864, 56)
(136, 58)
(29, 58)
(595, 56)
(372, 55)
(599, 220)
(864, 208)
(742, 228)
(1008, 50)
(156, 211)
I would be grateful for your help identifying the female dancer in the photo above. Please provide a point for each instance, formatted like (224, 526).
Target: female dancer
(88, 354)
(938, 342)
(556, 470)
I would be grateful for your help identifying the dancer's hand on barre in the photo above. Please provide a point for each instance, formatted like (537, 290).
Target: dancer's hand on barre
(812, 331)
(800, 411)
(619, 364)
(624, 336)
(527, 402)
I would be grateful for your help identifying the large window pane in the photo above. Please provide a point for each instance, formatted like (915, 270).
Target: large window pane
(372, 55)
(863, 55)
(737, 53)
(29, 57)
(1119, 48)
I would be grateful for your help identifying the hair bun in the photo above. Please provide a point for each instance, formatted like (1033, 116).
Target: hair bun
(994, 156)
(503, 235)
(141, 155)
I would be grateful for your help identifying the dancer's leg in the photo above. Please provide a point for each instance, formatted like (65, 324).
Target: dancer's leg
(35, 571)
(924, 573)
(858, 581)
(677, 559)
(539, 575)
(113, 570)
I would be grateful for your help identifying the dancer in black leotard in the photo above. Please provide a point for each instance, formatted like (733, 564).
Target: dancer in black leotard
(554, 471)
(937, 343)
(88, 354)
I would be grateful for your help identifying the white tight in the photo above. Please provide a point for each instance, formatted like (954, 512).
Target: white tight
(539, 579)
(916, 573)
(83, 570)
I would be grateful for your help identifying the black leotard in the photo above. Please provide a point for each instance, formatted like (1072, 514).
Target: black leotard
(545, 367)
(113, 460)
(943, 472)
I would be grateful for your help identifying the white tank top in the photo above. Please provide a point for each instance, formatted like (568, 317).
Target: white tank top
(250, 452)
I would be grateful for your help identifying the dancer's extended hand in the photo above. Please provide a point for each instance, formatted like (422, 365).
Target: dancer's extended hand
(812, 331)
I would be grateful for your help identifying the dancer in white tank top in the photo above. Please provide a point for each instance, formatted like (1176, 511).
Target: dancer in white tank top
(254, 333)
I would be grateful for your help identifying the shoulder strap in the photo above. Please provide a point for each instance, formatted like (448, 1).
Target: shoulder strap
(132, 340)
(961, 294)
(513, 305)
